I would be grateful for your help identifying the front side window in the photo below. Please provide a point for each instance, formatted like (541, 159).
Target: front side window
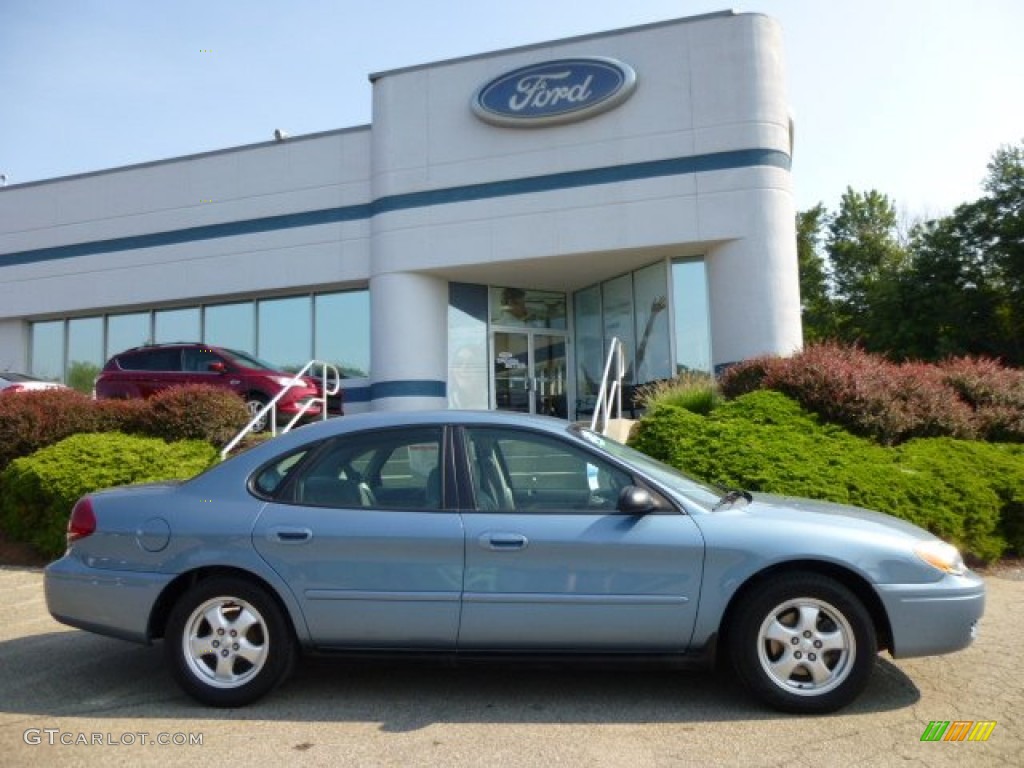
(533, 472)
(199, 360)
(393, 469)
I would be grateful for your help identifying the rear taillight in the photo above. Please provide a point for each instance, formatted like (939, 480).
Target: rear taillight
(82, 522)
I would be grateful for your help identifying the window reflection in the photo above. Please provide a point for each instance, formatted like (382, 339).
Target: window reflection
(176, 325)
(467, 347)
(85, 352)
(48, 350)
(342, 325)
(589, 347)
(690, 309)
(232, 326)
(127, 331)
(286, 332)
(637, 308)
(617, 302)
(527, 309)
(653, 349)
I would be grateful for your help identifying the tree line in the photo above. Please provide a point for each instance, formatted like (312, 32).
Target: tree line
(940, 288)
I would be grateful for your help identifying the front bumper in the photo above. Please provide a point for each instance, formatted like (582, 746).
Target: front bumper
(115, 603)
(929, 619)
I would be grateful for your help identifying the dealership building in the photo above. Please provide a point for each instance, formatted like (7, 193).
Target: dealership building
(477, 246)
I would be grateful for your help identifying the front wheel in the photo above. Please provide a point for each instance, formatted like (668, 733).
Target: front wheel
(803, 643)
(228, 642)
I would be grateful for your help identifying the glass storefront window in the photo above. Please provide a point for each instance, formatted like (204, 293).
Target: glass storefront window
(653, 347)
(468, 361)
(176, 325)
(85, 352)
(48, 350)
(590, 349)
(521, 308)
(127, 331)
(342, 331)
(690, 310)
(286, 332)
(232, 326)
(617, 303)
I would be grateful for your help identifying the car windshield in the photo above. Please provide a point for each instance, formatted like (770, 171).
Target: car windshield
(701, 493)
(248, 361)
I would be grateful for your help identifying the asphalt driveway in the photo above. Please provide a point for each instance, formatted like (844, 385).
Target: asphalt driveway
(71, 698)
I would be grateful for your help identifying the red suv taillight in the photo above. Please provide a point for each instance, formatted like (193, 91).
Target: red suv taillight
(82, 522)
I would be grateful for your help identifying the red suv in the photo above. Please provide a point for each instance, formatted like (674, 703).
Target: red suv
(144, 371)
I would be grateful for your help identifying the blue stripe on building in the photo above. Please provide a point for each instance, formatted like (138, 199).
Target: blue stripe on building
(719, 161)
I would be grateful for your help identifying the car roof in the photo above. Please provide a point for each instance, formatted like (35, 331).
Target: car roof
(357, 422)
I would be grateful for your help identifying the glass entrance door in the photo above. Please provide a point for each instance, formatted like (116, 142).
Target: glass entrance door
(529, 372)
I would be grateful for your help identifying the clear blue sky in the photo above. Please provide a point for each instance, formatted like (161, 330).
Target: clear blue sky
(910, 97)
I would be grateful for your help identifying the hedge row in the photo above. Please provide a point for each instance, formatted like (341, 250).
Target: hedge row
(891, 403)
(967, 492)
(33, 420)
(40, 490)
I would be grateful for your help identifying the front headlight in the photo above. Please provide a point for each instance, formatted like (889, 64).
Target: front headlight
(941, 555)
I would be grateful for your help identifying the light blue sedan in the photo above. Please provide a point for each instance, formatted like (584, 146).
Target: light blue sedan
(465, 534)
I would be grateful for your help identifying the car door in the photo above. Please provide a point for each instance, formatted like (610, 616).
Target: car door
(360, 531)
(551, 564)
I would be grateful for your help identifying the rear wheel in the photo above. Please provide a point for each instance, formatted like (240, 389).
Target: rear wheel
(803, 643)
(228, 642)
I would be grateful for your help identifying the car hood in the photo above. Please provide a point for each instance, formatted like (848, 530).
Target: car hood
(793, 509)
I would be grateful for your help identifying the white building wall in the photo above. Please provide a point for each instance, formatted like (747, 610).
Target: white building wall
(181, 197)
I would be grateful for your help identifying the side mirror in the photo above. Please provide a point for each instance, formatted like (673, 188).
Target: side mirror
(634, 500)
(217, 367)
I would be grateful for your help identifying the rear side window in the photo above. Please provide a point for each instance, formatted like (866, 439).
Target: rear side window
(152, 360)
(390, 469)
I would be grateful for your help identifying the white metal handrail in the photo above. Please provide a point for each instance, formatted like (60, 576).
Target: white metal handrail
(330, 385)
(611, 388)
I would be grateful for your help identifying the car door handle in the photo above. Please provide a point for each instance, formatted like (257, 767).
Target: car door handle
(290, 535)
(503, 542)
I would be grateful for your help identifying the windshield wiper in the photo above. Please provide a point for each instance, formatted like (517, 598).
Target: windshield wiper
(731, 498)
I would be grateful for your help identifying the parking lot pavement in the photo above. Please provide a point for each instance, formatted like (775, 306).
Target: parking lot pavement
(61, 690)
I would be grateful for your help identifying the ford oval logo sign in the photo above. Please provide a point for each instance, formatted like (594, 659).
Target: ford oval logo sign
(554, 92)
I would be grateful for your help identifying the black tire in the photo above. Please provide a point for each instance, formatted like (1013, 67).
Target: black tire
(254, 401)
(803, 643)
(216, 667)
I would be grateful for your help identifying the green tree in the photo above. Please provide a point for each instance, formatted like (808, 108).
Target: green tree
(965, 283)
(82, 375)
(868, 264)
(816, 307)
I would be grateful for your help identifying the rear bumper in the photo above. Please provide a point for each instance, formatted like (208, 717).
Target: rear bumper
(929, 619)
(115, 603)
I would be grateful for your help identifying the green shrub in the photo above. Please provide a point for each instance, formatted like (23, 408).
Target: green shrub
(694, 391)
(967, 492)
(195, 412)
(40, 490)
(888, 402)
(32, 420)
